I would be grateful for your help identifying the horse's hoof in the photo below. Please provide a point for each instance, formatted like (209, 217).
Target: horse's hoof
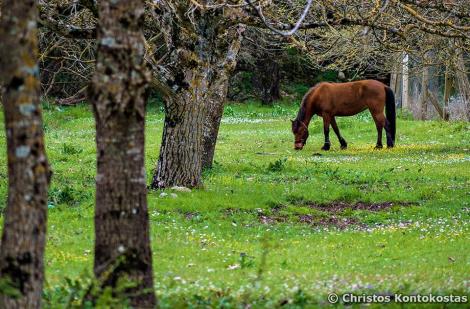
(343, 147)
(326, 147)
(377, 147)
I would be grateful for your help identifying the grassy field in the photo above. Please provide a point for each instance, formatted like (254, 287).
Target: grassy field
(273, 226)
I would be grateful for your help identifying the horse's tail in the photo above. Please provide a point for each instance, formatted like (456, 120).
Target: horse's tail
(391, 116)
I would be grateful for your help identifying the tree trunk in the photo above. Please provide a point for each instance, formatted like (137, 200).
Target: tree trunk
(122, 241)
(267, 80)
(180, 161)
(447, 91)
(203, 51)
(424, 94)
(214, 112)
(215, 103)
(24, 231)
(462, 81)
(435, 103)
(395, 79)
(405, 101)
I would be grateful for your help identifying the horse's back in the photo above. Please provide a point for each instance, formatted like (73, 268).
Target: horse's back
(350, 98)
(372, 88)
(373, 95)
(361, 88)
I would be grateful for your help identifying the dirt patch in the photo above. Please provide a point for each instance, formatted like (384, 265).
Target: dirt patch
(313, 220)
(271, 219)
(190, 215)
(337, 207)
(331, 213)
(273, 216)
(322, 215)
(338, 222)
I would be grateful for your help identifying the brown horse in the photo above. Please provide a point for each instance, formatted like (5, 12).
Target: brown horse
(329, 100)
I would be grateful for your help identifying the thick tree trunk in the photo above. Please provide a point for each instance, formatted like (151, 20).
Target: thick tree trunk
(203, 51)
(122, 241)
(24, 231)
(180, 161)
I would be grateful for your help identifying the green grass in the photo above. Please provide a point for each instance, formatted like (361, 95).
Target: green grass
(241, 239)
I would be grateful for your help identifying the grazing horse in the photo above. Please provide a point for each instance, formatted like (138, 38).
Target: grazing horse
(329, 100)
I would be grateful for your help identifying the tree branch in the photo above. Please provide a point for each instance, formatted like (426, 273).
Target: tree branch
(63, 29)
(90, 5)
(283, 33)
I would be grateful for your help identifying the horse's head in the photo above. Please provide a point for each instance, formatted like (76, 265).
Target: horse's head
(300, 131)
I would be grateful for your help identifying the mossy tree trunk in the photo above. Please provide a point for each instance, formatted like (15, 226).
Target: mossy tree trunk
(122, 241)
(218, 94)
(214, 111)
(24, 230)
(181, 149)
(202, 50)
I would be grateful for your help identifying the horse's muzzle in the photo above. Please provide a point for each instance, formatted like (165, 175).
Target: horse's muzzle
(298, 146)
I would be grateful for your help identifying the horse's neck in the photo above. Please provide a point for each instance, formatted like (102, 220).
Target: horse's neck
(308, 103)
(308, 114)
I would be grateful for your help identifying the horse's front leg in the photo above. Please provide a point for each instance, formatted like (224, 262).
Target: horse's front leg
(326, 131)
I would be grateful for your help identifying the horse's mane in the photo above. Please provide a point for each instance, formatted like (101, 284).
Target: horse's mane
(303, 109)
(301, 113)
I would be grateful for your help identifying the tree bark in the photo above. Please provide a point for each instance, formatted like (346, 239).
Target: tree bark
(24, 231)
(180, 161)
(122, 241)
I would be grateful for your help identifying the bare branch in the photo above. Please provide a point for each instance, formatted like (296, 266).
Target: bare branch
(297, 25)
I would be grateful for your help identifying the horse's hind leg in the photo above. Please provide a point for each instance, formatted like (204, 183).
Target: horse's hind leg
(379, 124)
(342, 141)
(326, 131)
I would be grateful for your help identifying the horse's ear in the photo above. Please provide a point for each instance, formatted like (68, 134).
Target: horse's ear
(292, 121)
